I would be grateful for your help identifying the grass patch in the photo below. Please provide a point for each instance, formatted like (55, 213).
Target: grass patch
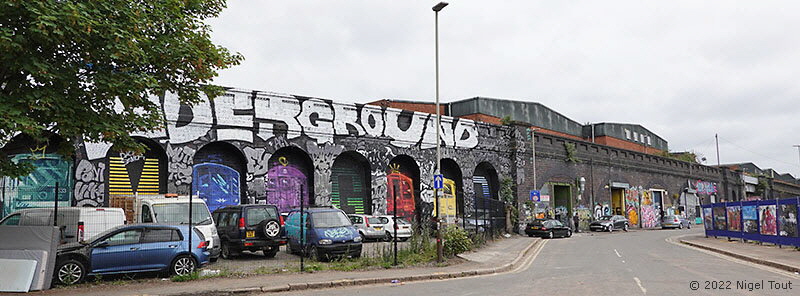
(185, 278)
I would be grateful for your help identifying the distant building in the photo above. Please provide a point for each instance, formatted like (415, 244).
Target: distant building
(490, 110)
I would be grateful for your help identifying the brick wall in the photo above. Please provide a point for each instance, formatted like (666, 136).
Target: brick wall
(624, 144)
(412, 106)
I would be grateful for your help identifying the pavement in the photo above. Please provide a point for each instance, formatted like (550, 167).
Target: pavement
(497, 256)
(645, 262)
(785, 257)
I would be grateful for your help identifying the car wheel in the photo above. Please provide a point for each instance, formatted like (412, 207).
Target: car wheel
(569, 233)
(625, 227)
(530, 235)
(680, 226)
(688, 225)
(270, 252)
(611, 228)
(183, 265)
(388, 236)
(213, 259)
(70, 272)
(550, 234)
(271, 228)
(314, 253)
(225, 251)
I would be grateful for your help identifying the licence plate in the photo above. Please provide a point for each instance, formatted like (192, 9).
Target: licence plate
(534, 227)
(251, 233)
(378, 228)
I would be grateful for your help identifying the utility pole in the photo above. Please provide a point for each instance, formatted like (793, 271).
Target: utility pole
(716, 137)
(798, 149)
(439, 246)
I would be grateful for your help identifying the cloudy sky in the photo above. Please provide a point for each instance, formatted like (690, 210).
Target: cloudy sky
(684, 69)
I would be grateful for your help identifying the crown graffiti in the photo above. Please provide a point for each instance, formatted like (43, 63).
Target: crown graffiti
(283, 161)
(395, 167)
(35, 152)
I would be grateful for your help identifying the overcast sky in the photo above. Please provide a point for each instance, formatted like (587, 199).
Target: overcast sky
(683, 69)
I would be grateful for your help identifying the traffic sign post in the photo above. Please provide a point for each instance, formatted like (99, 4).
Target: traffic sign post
(438, 181)
(535, 195)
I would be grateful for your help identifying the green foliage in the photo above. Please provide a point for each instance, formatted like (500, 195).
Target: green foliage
(506, 120)
(570, 148)
(682, 156)
(65, 63)
(761, 187)
(186, 278)
(507, 195)
(456, 241)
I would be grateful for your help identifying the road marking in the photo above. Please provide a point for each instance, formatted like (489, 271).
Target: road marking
(618, 255)
(639, 283)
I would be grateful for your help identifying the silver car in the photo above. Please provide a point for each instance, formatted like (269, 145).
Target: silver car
(370, 227)
(404, 229)
(675, 221)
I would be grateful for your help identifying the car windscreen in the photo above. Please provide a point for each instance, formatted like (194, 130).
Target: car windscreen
(402, 222)
(330, 219)
(178, 213)
(256, 215)
(377, 220)
(605, 218)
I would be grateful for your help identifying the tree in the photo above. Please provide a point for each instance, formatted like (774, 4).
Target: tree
(86, 69)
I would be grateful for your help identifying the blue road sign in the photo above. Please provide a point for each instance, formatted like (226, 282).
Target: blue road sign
(438, 181)
(535, 195)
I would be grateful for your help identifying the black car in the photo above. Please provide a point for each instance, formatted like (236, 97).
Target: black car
(548, 229)
(609, 223)
(254, 227)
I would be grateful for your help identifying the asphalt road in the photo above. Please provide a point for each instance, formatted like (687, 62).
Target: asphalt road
(632, 263)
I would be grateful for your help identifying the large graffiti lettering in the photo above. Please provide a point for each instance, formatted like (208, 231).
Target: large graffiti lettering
(89, 187)
(180, 164)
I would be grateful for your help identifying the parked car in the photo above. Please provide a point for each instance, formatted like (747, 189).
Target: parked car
(609, 223)
(254, 227)
(548, 229)
(369, 227)
(327, 233)
(76, 223)
(675, 221)
(175, 210)
(404, 229)
(130, 249)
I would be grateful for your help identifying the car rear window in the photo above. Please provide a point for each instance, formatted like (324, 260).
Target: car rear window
(256, 215)
(537, 222)
(377, 220)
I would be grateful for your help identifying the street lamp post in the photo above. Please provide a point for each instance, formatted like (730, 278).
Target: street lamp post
(439, 246)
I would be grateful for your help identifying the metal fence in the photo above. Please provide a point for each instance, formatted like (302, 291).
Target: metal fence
(771, 221)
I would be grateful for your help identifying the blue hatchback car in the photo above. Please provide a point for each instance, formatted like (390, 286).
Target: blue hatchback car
(328, 233)
(132, 248)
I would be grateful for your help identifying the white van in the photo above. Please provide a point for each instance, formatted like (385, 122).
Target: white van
(175, 210)
(77, 223)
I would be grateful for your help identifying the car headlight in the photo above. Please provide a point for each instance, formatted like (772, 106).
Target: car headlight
(357, 239)
(325, 242)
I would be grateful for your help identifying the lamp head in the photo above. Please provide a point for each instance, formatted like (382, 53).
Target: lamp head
(438, 7)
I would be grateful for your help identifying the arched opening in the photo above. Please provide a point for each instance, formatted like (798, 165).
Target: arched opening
(452, 199)
(37, 189)
(218, 175)
(486, 186)
(290, 176)
(402, 186)
(139, 174)
(351, 184)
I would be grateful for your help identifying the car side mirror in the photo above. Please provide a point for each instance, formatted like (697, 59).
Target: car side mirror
(102, 245)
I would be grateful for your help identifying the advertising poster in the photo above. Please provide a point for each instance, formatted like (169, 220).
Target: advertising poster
(708, 220)
(735, 218)
(769, 221)
(719, 219)
(788, 220)
(750, 218)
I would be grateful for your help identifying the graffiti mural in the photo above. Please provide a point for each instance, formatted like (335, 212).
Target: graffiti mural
(285, 185)
(350, 189)
(749, 218)
(734, 218)
(401, 188)
(584, 216)
(129, 174)
(216, 184)
(719, 218)
(651, 216)
(788, 220)
(37, 189)
(768, 219)
(632, 196)
(90, 184)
